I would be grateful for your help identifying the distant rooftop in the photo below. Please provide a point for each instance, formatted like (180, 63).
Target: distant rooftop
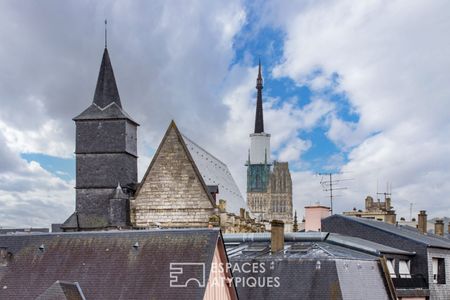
(313, 265)
(407, 232)
(312, 245)
(22, 230)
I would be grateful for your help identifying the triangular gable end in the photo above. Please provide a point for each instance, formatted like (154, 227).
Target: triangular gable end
(172, 174)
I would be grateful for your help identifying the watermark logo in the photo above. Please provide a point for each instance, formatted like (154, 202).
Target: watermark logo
(181, 274)
(247, 274)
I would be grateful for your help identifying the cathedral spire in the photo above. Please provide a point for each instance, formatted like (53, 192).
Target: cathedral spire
(106, 91)
(259, 121)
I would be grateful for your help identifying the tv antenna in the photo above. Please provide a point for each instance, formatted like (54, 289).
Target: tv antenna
(330, 185)
(410, 211)
(388, 192)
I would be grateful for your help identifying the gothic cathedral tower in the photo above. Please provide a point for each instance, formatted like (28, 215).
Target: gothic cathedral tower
(106, 158)
(269, 186)
(258, 164)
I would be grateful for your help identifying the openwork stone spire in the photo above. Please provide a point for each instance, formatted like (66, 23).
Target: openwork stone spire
(259, 120)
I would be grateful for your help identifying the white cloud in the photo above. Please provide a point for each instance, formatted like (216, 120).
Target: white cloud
(46, 138)
(169, 59)
(344, 134)
(293, 150)
(392, 61)
(283, 122)
(173, 62)
(29, 195)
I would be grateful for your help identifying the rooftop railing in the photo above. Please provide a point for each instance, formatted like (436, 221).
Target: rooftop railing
(417, 281)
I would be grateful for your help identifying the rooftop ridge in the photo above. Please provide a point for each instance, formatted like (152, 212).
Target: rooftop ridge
(117, 232)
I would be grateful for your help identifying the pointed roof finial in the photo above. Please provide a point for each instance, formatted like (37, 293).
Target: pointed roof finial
(259, 80)
(118, 193)
(295, 227)
(106, 32)
(259, 69)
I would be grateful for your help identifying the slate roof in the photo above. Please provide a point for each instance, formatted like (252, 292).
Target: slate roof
(215, 172)
(106, 91)
(365, 245)
(310, 267)
(62, 290)
(430, 240)
(22, 230)
(106, 103)
(107, 265)
(111, 112)
(86, 221)
(344, 246)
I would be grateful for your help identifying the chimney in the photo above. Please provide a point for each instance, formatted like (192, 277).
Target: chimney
(5, 257)
(369, 202)
(422, 222)
(391, 217)
(242, 213)
(387, 203)
(277, 236)
(222, 205)
(314, 215)
(439, 227)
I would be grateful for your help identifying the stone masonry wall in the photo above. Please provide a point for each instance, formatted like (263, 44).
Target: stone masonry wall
(171, 194)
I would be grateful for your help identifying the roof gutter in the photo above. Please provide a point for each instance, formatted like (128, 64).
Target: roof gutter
(265, 237)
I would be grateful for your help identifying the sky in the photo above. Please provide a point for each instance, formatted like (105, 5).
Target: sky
(358, 88)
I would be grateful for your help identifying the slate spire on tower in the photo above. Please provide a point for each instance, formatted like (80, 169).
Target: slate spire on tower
(106, 91)
(105, 153)
(259, 120)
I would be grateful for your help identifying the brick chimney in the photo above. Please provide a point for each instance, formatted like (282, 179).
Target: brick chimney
(242, 213)
(314, 215)
(222, 205)
(369, 202)
(5, 257)
(422, 222)
(439, 227)
(277, 236)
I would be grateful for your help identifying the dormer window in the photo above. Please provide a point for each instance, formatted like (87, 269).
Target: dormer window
(390, 265)
(404, 269)
(438, 270)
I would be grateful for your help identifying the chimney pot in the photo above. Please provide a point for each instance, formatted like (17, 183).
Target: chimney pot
(422, 222)
(439, 227)
(222, 205)
(5, 257)
(277, 236)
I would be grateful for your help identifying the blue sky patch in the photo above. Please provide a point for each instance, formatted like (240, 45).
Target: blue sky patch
(63, 168)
